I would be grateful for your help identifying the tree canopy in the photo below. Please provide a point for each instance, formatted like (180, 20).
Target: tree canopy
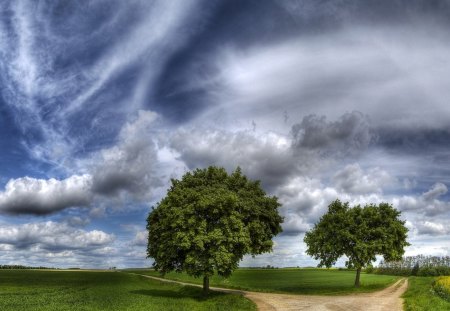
(208, 221)
(360, 233)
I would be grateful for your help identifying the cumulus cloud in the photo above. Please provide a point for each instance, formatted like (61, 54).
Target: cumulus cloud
(348, 135)
(53, 236)
(437, 190)
(130, 165)
(273, 157)
(266, 157)
(352, 179)
(432, 228)
(127, 168)
(429, 203)
(294, 225)
(39, 196)
(140, 239)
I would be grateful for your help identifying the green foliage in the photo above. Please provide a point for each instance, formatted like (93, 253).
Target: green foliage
(291, 280)
(360, 233)
(40, 290)
(420, 296)
(209, 220)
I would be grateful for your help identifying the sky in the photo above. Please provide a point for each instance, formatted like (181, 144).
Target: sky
(103, 102)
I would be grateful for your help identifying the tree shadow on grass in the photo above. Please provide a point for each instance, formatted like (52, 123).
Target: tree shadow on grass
(191, 293)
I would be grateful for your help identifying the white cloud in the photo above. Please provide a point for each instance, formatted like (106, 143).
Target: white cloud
(352, 179)
(145, 40)
(380, 71)
(52, 236)
(267, 157)
(432, 228)
(141, 238)
(429, 203)
(40, 196)
(131, 164)
(437, 190)
(125, 171)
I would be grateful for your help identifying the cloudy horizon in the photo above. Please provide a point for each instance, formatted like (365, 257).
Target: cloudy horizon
(103, 102)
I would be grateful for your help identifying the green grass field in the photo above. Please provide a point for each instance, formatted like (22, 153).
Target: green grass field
(84, 290)
(421, 297)
(296, 281)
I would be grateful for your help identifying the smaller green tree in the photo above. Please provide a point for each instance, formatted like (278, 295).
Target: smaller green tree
(208, 221)
(360, 233)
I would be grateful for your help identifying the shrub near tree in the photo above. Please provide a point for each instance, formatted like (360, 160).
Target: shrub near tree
(208, 221)
(360, 233)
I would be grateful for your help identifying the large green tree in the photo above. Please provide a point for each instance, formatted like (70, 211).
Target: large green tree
(208, 221)
(360, 233)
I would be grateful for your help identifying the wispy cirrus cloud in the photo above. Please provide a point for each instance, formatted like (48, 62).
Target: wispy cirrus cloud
(58, 91)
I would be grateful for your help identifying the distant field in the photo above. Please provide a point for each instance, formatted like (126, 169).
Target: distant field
(420, 296)
(296, 281)
(84, 290)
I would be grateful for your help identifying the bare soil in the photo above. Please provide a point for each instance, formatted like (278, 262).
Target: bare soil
(387, 299)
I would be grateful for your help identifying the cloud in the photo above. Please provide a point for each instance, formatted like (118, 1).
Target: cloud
(140, 239)
(429, 203)
(294, 225)
(267, 157)
(272, 157)
(128, 168)
(377, 69)
(352, 179)
(53, 236)
(437, 190)
(71, 74)
(348, 135)
(431, 228)
(130, 165)
(306, 197)
(39, 196)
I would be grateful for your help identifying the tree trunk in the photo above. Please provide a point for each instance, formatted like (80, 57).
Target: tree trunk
(205, 285)
(358, 274)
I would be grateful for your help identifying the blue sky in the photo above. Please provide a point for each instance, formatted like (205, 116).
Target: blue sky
(102, 102)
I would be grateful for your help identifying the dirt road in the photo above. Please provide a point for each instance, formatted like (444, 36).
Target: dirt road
(387, 299)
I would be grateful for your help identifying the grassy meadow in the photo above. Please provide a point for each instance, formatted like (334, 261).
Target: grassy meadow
(93, 290)
(420, 296)
(293, 281)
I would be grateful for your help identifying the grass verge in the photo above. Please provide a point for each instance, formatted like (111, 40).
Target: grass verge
(292, 281)
(85, 290)
(442, 287)
(420, 296)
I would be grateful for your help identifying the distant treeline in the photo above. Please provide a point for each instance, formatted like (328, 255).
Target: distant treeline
(21, 267)
(415, 265)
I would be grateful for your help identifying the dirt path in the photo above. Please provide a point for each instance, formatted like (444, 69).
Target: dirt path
(387, 299)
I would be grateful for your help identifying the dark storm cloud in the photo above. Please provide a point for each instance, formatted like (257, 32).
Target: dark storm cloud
(414, 139)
